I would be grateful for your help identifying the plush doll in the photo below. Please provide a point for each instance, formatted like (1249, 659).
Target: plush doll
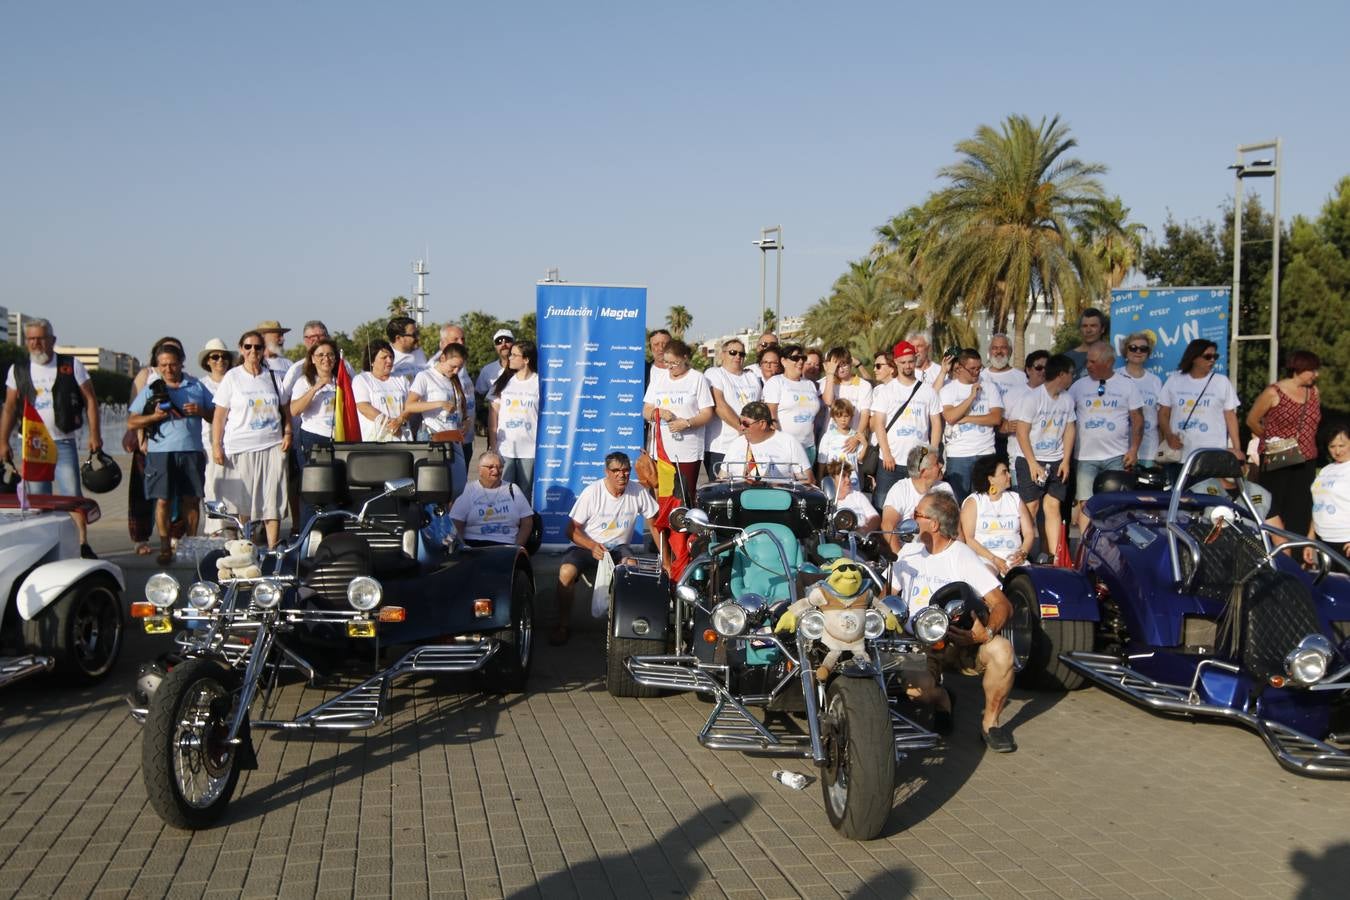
(239, 561)
(843, 598)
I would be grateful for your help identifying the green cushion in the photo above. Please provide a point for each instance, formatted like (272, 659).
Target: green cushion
(765, 499)
(830, 551)
(757, 568)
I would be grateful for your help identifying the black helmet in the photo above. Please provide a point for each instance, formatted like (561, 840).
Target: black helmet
(100, 473)
(1113, 480)
(9, 478)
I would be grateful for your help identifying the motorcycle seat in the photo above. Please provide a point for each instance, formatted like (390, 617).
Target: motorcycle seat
(757, 568)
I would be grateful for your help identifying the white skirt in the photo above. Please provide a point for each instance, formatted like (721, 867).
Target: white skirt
(254, 483)
(214, 476)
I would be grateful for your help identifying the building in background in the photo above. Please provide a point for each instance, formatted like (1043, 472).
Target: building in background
(16, 322)
(103, 358)
(4, 324)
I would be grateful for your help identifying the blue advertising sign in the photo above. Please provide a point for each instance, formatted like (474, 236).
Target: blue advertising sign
(592, 349)
(1174, 317)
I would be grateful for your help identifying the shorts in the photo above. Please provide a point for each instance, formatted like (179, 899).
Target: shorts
(1030, 491)
(586, 563)
(175, 474)
(1089, 469)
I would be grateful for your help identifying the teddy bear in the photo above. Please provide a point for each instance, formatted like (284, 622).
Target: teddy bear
(238, 562)
(843, 598)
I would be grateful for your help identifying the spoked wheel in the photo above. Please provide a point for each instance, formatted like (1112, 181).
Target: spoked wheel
(82, 630)
(509, 669)
(190, 769)
(858, 780)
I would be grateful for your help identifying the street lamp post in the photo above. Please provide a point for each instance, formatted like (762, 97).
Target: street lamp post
(1259, 168)
(770, 238)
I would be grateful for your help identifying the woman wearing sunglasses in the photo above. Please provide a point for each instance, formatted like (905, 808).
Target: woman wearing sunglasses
(733, 385)
(216, 359)
(1198, 406)
(1138, 349)
(794, 400)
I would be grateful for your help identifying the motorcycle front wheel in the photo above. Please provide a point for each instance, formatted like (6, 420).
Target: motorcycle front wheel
(190, 770)
(858, 780)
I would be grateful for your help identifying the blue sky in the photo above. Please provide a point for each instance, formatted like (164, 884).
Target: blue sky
(183, 169)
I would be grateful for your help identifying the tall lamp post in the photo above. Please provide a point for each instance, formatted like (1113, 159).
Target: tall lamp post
(1257, 168)
(770, 238)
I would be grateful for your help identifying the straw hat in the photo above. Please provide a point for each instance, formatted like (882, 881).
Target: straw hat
(215, 345)
(270, 325)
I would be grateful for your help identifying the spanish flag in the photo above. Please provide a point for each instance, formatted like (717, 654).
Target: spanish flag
(39, 450)
(670, 493)
(346, 426)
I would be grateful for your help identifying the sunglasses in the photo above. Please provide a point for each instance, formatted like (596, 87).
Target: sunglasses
(746, 423)
(1210, 356)
(503, 340)
(217, 357)
(1137, 348)
(1040, 368)
(411, 334)
(881, 362)
(489, 466)
(1101, 388)
(919, 515)
(251, 346)
(734, 352)
(796, 359)
(618, 471)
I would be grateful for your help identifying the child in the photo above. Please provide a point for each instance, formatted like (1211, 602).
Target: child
(832, 447)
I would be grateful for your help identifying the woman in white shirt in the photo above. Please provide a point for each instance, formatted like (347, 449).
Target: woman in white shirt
(314, 397)
(250, 436)
(680, 399)
(216, 359)
(794, 401)
(380, 396)
(1198, 406)
(513, 423)
(438, 394)
(1138, 349)
(995, 523)
(732, 385)
(1331, 497)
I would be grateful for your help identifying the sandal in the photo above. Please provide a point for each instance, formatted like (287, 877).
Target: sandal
(165, 556)
(143, 549)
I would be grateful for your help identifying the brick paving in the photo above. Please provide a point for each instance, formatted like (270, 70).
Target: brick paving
(565, 791)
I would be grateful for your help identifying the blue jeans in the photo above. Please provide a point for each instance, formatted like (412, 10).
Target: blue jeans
(1089, 469)
(67, 479)
(519, 472)
(957, 473)
(887, 479)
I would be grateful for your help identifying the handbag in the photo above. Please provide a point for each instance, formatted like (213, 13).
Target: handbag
(870, 458)
(1166, 455)
(1281, 453)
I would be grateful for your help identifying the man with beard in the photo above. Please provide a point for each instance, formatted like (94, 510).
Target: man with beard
(1001, 374)
(274, 339)
(60, 390)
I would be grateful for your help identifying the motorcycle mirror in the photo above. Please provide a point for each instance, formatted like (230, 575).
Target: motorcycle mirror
(217, 509)
(844, 520)
(400, 487)
(907, 529)
(696, 521)
(899, 608)
(677, 518)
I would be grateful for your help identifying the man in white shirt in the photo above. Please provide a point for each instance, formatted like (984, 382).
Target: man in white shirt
(409, 359)
(903, 498)
(940, 558)
(898, 432)
(1044, 440)
(274, 342)
(972, 414)
(1110, 416)
(1002, 374)
(761, 452)
(602, 521)
(502, 342)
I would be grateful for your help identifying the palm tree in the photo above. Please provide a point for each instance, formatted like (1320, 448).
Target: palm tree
(1116, 242)
(678, 321)
(1001, 237)
(398, 307)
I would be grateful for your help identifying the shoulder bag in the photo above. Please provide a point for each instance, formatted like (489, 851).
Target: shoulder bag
(870, 457)
(1168, 455)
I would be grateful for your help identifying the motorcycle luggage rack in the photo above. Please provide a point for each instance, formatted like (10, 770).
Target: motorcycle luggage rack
(733, 727)
(910, 736)
(14, 668)
(363, 706)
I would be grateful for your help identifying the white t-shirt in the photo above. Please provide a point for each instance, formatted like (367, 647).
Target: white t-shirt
(610, 520)
(386, 396)
(737, 390)
(278, 364)
(685, 396)
(432, 386)
(777, 456)
(1206, 427)
(1149, 387)
(1331, 503)
(254, 421)
(517, 417)
(858, 392)
(1012, 399)
(1004, 380)
(297, 371)
(317, 417)
(963, 438)
(858, 502)
(929, 373)
(407, 365)
(44, 378)
(211, 388)
(915, 424)
(831, 447)
(998, 523)
(904, 497)
(490, 514)
(798, 402)
(1049, 418)
(918, 574)
(1103, 418)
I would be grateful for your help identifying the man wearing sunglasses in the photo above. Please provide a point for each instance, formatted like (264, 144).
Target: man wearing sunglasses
(972, 413)
(1110, 417)
(403, 334)
(1034, 370)
(762, 452)
(602, 521)
(502, 342)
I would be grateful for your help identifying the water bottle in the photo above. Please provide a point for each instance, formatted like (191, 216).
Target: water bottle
(795, 780)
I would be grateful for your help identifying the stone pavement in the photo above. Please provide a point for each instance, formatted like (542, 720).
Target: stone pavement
(565, 791)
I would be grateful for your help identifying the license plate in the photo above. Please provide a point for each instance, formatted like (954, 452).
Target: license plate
(158, 625)
(361, 629)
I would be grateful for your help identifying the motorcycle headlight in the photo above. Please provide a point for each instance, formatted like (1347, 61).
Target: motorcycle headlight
(687, 593)
(364, 593)
(812, 625)
(266, 594)
(874, 625)
(203, 595)
(161, 589)
(728, 618)
(929, 624)
(1310, 660)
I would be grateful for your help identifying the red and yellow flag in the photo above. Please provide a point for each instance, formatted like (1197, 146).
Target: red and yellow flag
(346, 426)
(39, 450)
(670, 490)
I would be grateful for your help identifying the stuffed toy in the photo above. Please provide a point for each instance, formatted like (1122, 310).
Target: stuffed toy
(239, 561)
(843, 597)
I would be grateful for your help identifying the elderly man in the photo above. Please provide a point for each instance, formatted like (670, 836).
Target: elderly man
(313, 332)
(1002, 374)
(903, 497)
(490, 513)
(274, 343)
(972, 413)
(657, 342)
(761, 452)
(1093, 328)
(1110, 416)
(59, 389)
(601, 522)
(926, 369)
(937, 559)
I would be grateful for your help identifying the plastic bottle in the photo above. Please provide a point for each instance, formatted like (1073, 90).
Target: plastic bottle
(795, 780)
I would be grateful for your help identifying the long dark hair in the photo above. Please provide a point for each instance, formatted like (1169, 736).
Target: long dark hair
(531, 357)
(311, 370)
(1193, 352)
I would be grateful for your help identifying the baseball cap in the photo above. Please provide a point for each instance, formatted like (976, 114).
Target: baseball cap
(503, 333)
(903, 348)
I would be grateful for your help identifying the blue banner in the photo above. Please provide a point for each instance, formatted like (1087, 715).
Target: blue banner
(592, 350)
(1174, 317)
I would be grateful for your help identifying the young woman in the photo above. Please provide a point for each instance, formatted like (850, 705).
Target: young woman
(680, 399)
(380, 396)
(733, 385)
(1138, 349)
(995, 523)
(1331, 497)
(216, 359)
(438, 394)
(794, 401)
(314, 397)
(513, 423)
(1291, 408)
(883, 368)
(1198, 406)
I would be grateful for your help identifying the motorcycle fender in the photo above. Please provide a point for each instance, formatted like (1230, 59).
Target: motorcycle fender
(637, 596)
(1061, 593)
(46, 583)
(859, 669)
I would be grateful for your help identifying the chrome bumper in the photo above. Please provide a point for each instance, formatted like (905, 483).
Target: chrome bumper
(17, 668)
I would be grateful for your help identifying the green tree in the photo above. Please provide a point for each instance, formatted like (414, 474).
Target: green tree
(770, 319)
(399, 306)
(110, 387)
(678, 321)
(1113, 240)
(1001, 234)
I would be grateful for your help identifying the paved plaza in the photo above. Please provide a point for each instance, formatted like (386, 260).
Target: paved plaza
(565, 791)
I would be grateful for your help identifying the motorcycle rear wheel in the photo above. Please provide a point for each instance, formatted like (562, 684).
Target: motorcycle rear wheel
(858, 781)
(190, 771)
(618, 679)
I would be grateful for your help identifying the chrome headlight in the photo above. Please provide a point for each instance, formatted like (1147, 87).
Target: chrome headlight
(874, 625)
(266, 594)
(687, 593)
(728, 618)
(753, 603)
(929, 624)
(812, 625)
(364, 593)
(203, 595)
(1310, 660)
(161, 589)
